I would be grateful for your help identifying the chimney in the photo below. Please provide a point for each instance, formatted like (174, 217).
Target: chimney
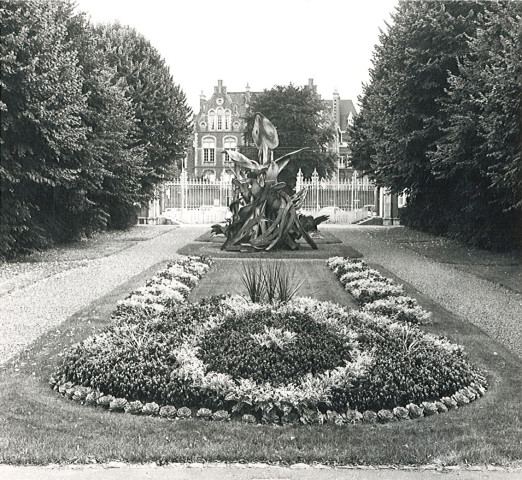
(336, 107)
(311, 85)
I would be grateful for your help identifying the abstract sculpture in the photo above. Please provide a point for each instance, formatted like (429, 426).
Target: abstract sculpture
(264, 216)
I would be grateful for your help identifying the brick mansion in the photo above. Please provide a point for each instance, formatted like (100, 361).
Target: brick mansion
(220, 125)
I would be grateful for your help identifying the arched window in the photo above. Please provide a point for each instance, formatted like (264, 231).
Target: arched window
(211, 120)
(229, 143)
(227, 119)
(209, 175)
(209, 150)
(219, 119)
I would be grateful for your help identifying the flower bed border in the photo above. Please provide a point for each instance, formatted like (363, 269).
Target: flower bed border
(370, 279)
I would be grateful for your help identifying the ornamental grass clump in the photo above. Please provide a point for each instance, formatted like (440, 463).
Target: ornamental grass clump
(269, 282)
(252, 278)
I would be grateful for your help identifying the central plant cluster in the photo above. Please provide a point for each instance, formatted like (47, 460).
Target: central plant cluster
(264, 216)
(276, 346)
(297, 361)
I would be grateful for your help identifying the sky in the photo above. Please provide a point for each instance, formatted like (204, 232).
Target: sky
(266, 43)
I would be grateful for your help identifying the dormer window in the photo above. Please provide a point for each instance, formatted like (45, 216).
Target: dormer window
(211, 120)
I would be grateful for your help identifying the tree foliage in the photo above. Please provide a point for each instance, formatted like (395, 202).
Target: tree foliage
(440, 117)
(299, 117)
(478, 154)
(74, 158)
(42, 129)
(162, 116)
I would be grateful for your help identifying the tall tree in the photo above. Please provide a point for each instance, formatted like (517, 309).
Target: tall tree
(401, 106)
(440, 117)
(299, 116)
(42, 131)
(91, 122)
(163, 124)
(112, 168)
(479, 153)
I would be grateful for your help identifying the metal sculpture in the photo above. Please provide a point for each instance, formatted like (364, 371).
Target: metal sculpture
(264, 216)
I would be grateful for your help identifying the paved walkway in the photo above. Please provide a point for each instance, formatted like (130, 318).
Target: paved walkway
(245, 472)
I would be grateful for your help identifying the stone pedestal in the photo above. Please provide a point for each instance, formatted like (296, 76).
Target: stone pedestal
(390, 208)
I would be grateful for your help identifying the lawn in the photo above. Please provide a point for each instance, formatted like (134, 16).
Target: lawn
(38, 426)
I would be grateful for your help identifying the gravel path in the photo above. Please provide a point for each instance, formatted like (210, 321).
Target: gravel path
(245, 472)
(469, 287)
(42, 294)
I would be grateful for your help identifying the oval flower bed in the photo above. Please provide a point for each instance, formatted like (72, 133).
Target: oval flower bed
(302, 361)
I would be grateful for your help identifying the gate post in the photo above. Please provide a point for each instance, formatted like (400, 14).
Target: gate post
(390, 214)
(356, 185)
(183, 188)
(315, 186)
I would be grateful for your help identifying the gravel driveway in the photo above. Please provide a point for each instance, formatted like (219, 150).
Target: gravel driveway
(42, 293)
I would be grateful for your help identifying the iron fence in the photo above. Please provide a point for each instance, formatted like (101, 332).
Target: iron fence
(201, 201)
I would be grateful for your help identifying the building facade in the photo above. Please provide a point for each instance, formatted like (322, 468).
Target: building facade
(220, 126)
(342, 113)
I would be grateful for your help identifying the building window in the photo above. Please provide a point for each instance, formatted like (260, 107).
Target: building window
(219, 119)
(209, 150)
(209, 175)
(211, 120)
(229, 143)
(227, 119)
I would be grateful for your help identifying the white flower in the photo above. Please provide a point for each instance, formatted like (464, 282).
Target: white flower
(274, 337)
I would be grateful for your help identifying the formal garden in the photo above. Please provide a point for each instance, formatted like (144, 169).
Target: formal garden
(269, 358)
(266, 339)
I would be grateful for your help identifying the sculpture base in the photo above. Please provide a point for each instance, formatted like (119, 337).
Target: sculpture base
(305, 251)
(320, 237)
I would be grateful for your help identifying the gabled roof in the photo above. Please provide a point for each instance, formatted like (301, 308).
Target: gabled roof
(346, 108)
